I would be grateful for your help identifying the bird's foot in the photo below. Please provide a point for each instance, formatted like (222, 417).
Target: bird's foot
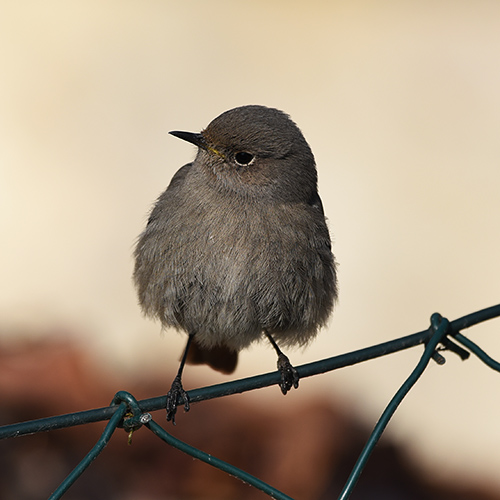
(289, 375)
(176, 392)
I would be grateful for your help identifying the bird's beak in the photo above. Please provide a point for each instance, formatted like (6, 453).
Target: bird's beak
(196, 139)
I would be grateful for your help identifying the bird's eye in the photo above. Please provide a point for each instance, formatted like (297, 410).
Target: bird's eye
(243, 158)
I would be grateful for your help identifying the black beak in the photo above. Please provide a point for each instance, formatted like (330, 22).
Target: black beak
(196, 139)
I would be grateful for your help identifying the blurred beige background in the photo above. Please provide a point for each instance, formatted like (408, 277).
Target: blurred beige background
(400, 102)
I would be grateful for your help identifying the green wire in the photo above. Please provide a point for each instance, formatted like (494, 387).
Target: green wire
(216, 462)
(440, 326)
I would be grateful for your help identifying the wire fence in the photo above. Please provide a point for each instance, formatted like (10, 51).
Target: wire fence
(128, 413)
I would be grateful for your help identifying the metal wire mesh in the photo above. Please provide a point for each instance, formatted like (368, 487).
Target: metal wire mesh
(128, 413)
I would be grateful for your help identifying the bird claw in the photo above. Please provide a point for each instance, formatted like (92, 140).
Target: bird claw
(289, 375)
(176, 392)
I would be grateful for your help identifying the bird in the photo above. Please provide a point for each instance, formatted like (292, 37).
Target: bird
(237, 248)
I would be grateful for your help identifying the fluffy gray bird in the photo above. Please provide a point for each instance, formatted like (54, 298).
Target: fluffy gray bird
(237, 247)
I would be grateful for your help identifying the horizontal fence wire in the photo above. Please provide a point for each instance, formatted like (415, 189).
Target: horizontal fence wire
(441, 335)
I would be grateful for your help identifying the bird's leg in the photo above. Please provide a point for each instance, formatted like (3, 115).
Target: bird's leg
(289, 375)
(177, 391)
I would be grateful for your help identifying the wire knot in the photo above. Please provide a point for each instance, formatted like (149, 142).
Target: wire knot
(134, 419)
(446, 343)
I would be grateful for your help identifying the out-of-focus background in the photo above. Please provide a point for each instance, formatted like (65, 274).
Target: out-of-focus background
(400, 102)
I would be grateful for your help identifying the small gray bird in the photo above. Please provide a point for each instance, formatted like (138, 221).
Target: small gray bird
(237, 247)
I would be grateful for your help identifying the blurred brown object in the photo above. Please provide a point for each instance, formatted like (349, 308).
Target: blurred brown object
(304, 447)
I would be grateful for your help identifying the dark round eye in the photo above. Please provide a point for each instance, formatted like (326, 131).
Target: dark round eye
(243, 158)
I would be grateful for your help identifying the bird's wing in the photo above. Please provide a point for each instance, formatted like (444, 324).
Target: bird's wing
(315, 202)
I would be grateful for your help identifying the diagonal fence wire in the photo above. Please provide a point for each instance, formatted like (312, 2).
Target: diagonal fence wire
(125, 411)
(440, 326)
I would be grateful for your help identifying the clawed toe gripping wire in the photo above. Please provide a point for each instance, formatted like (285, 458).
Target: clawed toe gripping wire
(128, 413)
